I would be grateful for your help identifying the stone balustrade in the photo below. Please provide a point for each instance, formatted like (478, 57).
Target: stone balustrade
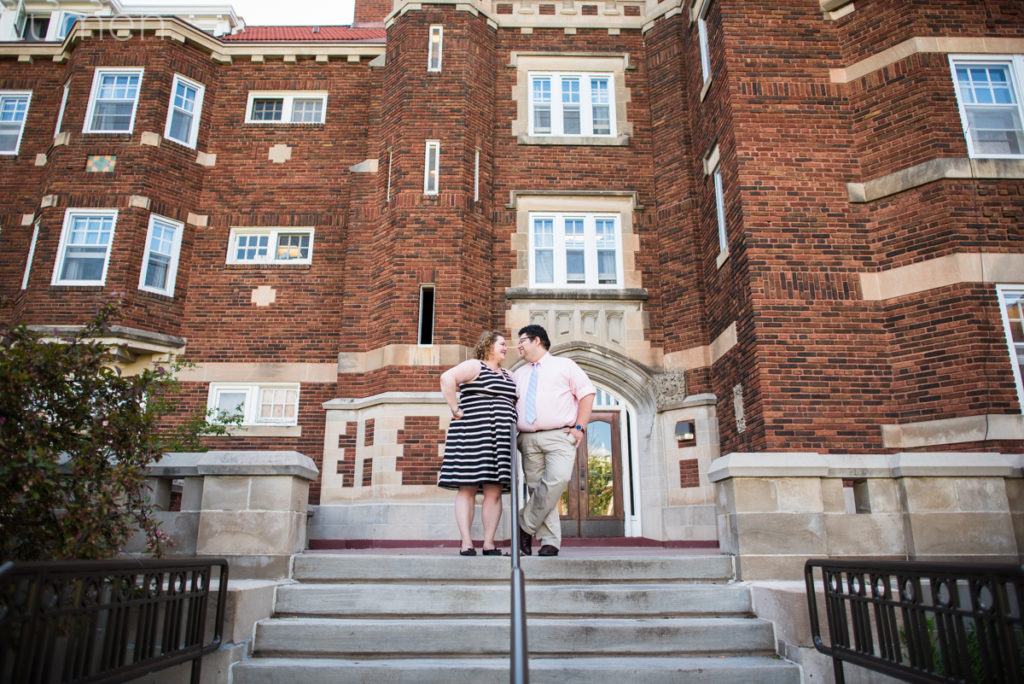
(250, 507)
(775, 510)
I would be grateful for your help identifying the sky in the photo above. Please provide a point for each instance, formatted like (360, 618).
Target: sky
(285, 12)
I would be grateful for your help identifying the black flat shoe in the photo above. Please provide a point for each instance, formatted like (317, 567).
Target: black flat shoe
(525, 542)
(492, 552)
(468, 552)
(548, 550)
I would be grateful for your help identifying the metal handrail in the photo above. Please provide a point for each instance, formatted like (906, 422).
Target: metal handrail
(921, 621)
(518, 660)
(107, 621)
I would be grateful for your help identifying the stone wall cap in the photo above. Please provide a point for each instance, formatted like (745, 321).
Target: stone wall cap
(956, 464)
(854, 466)
(257, 463)
(706, 399)
(176, 464)
(768, 464)
(858, 466)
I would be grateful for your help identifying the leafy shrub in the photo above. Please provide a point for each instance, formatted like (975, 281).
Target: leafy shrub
(76, 437)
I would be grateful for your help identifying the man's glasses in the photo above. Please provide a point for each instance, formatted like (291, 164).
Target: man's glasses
(524, 340)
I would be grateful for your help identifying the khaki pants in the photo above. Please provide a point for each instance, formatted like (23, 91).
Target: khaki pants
(548, 459)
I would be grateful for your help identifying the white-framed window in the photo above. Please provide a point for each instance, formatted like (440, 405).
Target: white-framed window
(13, 112)
(60, 112)
(184, 110)
(271, 246)
(702, 39)
(571, 104)
(575, 250)
(425, 334)
(988, 92)
(434, 50)
(431, 167)
(31, 26)
(65, 20)
(84, 250)
(476, 175)
(1011, 303)
(286, 107)
(713, 168)
(31, 256)
(113, 101)
(258, 404)
(160, 259)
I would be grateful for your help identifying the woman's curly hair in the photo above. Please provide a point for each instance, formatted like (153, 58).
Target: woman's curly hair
(485, 343)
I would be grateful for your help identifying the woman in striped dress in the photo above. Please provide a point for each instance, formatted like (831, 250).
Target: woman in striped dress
(477, 451)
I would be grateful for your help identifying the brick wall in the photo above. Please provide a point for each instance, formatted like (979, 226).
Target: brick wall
(421, 439)
(816, 367)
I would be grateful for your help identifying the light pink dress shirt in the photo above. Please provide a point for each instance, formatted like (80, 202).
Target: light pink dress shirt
(560, 386)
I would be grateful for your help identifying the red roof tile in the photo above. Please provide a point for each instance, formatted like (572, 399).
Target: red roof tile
(361, 34)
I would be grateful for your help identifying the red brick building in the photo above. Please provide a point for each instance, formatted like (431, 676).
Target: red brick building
(768, 230)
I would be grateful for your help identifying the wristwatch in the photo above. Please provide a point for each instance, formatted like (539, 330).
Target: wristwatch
(578, 427)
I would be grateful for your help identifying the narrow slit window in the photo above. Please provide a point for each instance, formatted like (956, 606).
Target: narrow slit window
(476, 176)
(723, 239)
(31, 256)
(430, 168)
(60, 112)
(434, 51)
(426, 332)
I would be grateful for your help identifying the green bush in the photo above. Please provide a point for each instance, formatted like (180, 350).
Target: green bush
(75, 439)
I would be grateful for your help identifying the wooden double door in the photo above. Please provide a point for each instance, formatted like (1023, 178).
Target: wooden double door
(591, 505)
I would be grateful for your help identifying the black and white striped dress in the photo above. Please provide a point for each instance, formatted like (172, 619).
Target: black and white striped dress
(477, 449)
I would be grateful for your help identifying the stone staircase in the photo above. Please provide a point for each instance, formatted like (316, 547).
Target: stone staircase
(445, 619)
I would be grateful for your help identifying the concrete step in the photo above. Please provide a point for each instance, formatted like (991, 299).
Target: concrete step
(468, 600)
(604, 670)
(476, 637)
(681, 568)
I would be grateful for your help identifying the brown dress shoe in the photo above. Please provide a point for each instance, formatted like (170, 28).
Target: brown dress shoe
(525, 542)
(548, 550)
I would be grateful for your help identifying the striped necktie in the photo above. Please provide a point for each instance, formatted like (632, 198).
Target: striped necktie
(530, 409)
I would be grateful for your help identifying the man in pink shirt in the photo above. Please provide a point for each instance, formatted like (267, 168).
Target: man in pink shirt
(554, 404)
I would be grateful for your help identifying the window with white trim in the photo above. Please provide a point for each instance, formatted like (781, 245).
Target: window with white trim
(13, 112)
(60, 112)
(286, 107)
(702, 37)
(575, 250)
(257, 404)
(31, 26)
(571, 104)
(160, 259)
(84, 250)
(113, 101)
(1011, 302)
(270, 246)
(426, 328)
(476, 175)
(713, 168)
(31, 256)
(431, 167)
(434, 50)
(988, 93)
(65, 20)
(183, 112)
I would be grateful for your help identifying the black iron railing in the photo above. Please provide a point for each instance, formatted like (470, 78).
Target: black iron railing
(108, 621)
(921, 622)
